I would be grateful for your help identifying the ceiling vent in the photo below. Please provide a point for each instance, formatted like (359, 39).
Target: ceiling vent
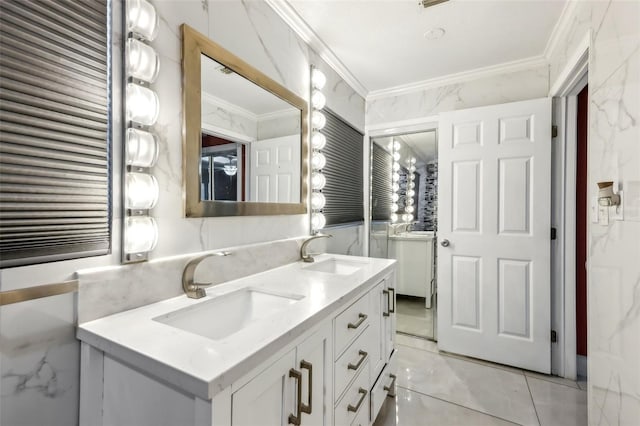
(428, 3)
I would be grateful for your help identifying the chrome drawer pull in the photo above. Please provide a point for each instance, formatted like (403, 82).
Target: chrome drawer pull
(307, 408)
(393, 298)
(363, 356)
(391, 387)
(358, 323)
(386, 313)
(357, 406)
(295, 420)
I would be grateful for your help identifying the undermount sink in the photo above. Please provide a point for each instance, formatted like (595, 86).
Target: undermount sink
(227, 314)
(335, 266)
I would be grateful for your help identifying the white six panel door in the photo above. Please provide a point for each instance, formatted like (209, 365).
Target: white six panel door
(275, 170)
(494, 210)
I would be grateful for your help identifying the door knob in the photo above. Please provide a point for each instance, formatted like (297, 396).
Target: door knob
(445, 243)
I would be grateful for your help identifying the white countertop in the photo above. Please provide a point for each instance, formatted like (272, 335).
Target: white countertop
(204, 367)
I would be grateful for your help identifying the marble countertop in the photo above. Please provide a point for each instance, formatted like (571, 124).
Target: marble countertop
(413, 235)
(204, 367)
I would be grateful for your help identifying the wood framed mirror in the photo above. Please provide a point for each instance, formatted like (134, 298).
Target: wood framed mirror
(245, 136)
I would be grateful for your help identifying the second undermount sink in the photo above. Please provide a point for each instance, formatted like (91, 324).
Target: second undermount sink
(335, 266)
(225, 315)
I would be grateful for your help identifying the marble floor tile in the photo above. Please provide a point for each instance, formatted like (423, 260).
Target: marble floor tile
(582, 383)
(492, 391)
(416, 343)
(552, 379)
(413, 318)
(503, 367)
(412, 408)
(558, 405)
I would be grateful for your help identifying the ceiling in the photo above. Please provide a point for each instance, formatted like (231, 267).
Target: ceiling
(382, 42)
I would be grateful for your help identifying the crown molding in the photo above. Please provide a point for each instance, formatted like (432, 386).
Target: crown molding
(290, 112)
(228, 106)
(295, 21)
(492, 70)
(558, 30)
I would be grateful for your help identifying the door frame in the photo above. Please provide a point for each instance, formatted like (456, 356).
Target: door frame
(570, 81)
(390, 128)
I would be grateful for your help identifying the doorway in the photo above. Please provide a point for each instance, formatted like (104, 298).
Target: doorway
(404, 179)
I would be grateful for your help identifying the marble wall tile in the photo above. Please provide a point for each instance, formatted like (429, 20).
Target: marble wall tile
(219, 117)
(346, 240)
(510, 87)
(39, 362)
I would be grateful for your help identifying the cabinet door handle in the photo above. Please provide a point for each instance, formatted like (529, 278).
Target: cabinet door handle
(393, 299)
(355, 408)
(386, 313)
(391, 387)
(295, 420)
(307, 408)
(363, 356)
(358, 323)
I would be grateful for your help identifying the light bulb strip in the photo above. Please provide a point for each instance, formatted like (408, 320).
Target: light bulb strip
(318, 120)
(140, 188)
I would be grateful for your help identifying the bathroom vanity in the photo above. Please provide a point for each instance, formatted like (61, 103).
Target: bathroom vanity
(414, 252)
(302, 344)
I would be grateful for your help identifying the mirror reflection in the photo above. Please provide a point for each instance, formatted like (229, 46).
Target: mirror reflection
(404, 181)
(250, 148)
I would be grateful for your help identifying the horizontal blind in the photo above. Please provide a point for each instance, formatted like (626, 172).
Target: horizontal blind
(381, 191)
(343, 172)
(54, 130)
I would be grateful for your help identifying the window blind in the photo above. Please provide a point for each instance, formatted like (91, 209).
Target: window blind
(381, 191)
(54, 130)
(343, 172)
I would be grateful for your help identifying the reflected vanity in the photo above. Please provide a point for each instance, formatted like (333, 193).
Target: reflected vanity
(244, 139)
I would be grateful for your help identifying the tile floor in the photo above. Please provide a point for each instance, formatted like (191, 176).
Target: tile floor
(413, 318)
(435, 388)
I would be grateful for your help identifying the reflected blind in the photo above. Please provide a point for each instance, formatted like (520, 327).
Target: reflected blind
(381, 191)
(343, 172)
(54, 130)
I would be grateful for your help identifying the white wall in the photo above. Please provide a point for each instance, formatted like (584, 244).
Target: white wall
(613, 31)
(43, 330)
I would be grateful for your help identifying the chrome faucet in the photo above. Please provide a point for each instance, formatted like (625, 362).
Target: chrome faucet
(192, 289)
(303, 249)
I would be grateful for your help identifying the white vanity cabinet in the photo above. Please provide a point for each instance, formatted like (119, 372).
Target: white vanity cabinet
(332, 368)
(292, 390)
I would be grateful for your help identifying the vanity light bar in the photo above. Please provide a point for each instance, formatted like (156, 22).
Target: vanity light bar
(395, 178)
(141, 108)
(318, 142)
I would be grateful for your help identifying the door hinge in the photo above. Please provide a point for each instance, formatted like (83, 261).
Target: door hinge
(554, 131)
(554, 235)
(554, 336)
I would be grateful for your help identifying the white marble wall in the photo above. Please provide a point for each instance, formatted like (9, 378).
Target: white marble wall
(497, 89)
(614, 250)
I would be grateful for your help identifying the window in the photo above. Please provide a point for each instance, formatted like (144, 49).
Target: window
(343, 172)
(54, 130)
(381, 192)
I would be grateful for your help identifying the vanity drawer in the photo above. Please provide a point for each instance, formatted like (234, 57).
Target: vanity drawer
(353, 361)
(350, 323)
(354, 401)
(385, 386)
(362, 418)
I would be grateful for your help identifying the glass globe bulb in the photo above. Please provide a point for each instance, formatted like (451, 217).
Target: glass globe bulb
(395, 187)
(393, 217)
(412, 184)
(142, 61)
(142, 191)
(143, 105)
(317, 200)
(396, 156)
(318, 140)
(409, 209)
(318, 79)
(407, 217)
(412, 160)
(318, 181)
(140, 234)
(395, 177)
(396, 146)
(142, 148)
(318, 120)
(318, 221)
(142, 19)
(411, 193)
(396, 166)
(394, 207)
(412, 168)
(395, 197)
(318, 100)
(318, 160)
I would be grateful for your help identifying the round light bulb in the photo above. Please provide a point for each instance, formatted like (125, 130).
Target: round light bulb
(318, 100)
(143, 105)
(412, 168)
(142, 19)
(412, 160)
(395, 197)
(396, 146)
(318, 221)
(396, 156)
(394, 207)
(318, 160)
(140, 234)
(411, 193)
(142, 191)
(412, 184)
(318, 140)
(318, 181)
(142, 61)
(318, 79)
(142, 148)
(317, 201)
(393, 217)
(395, 177)
(396, 167)
(407, 217)
(318, 120)
(408, 209)
(395, 187)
